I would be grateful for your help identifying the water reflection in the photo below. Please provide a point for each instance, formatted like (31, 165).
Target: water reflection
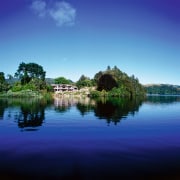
(30, 113)
(162, 99)
(82, 104)
(85, 106)
(62, 105)
(3, 106)
(113, 110)
(30, 116)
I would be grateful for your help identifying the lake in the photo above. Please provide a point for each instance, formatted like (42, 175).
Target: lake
(81, 138)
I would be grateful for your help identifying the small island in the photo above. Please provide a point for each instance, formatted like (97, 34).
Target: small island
(30, 81)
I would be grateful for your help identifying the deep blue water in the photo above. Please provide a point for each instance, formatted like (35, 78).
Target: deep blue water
(88, 139)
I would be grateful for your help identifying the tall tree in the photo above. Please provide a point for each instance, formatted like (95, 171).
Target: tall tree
(97, 76)
(3, 84)
(29, 71)
(2, 78)
(108, 68)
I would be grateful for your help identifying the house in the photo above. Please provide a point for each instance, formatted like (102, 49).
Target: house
(64, 88)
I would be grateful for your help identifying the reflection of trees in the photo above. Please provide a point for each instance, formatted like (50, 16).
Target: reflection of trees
(3, 106)
(62, 109)
(85, 105)
(31, 116)
(84, 108)
(31, 113)
(113, 110)
(162, 99)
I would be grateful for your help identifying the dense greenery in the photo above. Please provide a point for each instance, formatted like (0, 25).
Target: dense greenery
(31, 111)
(30, 78)
(29, 81)
(84, 81)
(62, 80)
(30, 71)
(163, 89)
(3, 84)
(114, 82)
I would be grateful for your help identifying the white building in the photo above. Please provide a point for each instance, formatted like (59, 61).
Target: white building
(64, 88)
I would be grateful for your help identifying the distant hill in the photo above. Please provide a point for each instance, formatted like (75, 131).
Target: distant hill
(162, 89)
(12, 80)
(49, 80)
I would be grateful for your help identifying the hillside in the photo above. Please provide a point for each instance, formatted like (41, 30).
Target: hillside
(114, 82)
(14, 80)
(163, 89)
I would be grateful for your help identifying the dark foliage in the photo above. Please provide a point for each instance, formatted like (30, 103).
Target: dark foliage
(29, 71)
(106, 82)
(118, 83)
(3, 84)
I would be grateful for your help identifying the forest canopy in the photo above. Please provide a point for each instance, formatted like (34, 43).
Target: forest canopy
(114, 82)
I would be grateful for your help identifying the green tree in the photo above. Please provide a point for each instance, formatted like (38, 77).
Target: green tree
(108, 68)
(97, 76)
(2, 78)
(29, 71)
(3, 84)
(84, 82)
(62, 80)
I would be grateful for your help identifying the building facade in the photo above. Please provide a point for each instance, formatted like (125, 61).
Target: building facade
(64, 88)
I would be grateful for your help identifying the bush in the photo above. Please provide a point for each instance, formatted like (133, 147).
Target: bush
(23, 93)
(95, 93)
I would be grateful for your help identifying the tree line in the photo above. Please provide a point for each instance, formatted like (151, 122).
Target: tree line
(110, 82)
(163, 89)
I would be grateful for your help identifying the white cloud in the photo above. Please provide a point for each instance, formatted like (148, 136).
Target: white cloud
(61, 12)
(39, 7)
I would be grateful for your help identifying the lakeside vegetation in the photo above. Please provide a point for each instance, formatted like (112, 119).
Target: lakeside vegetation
(115, 83)
(163, 89)
(30, 81)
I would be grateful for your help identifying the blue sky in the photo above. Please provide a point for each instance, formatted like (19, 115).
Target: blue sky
(74, 37)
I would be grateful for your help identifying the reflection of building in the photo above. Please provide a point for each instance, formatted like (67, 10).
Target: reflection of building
(64, 88)
(58, 102)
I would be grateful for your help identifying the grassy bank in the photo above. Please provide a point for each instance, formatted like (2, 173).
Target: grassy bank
(26, 94)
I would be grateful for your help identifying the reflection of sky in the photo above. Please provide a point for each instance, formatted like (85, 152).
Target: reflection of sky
(138, 143)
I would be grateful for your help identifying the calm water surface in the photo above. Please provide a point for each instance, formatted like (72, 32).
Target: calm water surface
(88, 139)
